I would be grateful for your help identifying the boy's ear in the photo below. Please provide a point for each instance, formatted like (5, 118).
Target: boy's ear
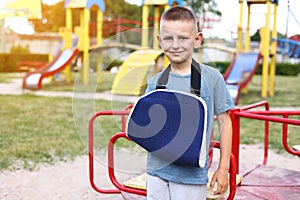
(159, 40)
(198, 40)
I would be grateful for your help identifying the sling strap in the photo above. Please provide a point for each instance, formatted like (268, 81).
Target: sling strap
(170, 124)
(195, 78)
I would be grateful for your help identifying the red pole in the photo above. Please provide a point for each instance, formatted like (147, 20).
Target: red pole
(91, 149)
(235, 135)
(111, 170)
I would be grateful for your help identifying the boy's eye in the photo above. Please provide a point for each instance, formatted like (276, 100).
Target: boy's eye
(168, 39)
(183, 38)
(179, 39)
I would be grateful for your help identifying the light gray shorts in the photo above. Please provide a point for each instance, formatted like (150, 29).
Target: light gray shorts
(159, 189)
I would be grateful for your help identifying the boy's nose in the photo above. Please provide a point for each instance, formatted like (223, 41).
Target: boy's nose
(175, 44)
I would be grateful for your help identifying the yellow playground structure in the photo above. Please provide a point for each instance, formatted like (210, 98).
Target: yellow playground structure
(74, 40)
(132, 76)
(135, 70)
(79, 38)
(85, 7)
(268, 47)
(268, 43)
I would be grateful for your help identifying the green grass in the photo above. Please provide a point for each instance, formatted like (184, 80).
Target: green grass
(286, 92)
(106, 83)
(36, 129)
(252, 132)
(42, 130)
(286, 89)
(5, 77)
(286, 95)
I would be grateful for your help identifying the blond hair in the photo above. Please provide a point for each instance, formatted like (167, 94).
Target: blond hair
(179, 13)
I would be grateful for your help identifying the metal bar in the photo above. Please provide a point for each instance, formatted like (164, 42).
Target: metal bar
(255, 105)
(275, 112)
(121, 187)
(127, 108)
(111, 170)
(284, 139)
(91, 149)
(266, 138)
(235, 119)
(264, 115)
(268, 118)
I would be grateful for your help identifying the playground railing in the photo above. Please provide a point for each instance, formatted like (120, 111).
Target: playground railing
(258, 111)
(119, 187)
(26, 66)
(266, 116)
(289, 47)
(121, 113)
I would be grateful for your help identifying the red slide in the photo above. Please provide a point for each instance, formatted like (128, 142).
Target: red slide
(33, 80)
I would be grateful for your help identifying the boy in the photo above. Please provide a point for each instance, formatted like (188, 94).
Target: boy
(178, 37)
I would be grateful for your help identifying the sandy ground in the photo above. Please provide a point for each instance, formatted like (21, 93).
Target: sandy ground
(70, 180)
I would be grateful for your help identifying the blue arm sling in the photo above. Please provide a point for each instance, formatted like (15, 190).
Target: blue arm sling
(172, 124)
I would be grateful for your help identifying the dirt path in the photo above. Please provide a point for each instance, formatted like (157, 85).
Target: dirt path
(67, 180)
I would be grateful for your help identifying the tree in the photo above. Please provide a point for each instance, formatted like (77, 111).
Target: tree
(19, 49)
(256, 36)
(120, 8)
(54, 16)
(206, 11)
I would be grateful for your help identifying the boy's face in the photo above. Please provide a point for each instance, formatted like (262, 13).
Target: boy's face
(178, 40)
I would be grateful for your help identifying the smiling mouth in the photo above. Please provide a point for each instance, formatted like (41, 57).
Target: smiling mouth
(176, 52)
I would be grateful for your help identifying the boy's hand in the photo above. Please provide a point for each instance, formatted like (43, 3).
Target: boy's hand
(221, 177)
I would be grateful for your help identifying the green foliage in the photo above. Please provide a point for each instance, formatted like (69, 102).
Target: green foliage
(19, 49)
(256, 36)
(280, 35)
(286, 69)
(203, 7)
(54, 16)
(109, 62)
(8, 62)
(122, 9)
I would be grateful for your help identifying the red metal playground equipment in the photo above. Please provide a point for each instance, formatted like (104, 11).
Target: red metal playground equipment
(247, 181)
